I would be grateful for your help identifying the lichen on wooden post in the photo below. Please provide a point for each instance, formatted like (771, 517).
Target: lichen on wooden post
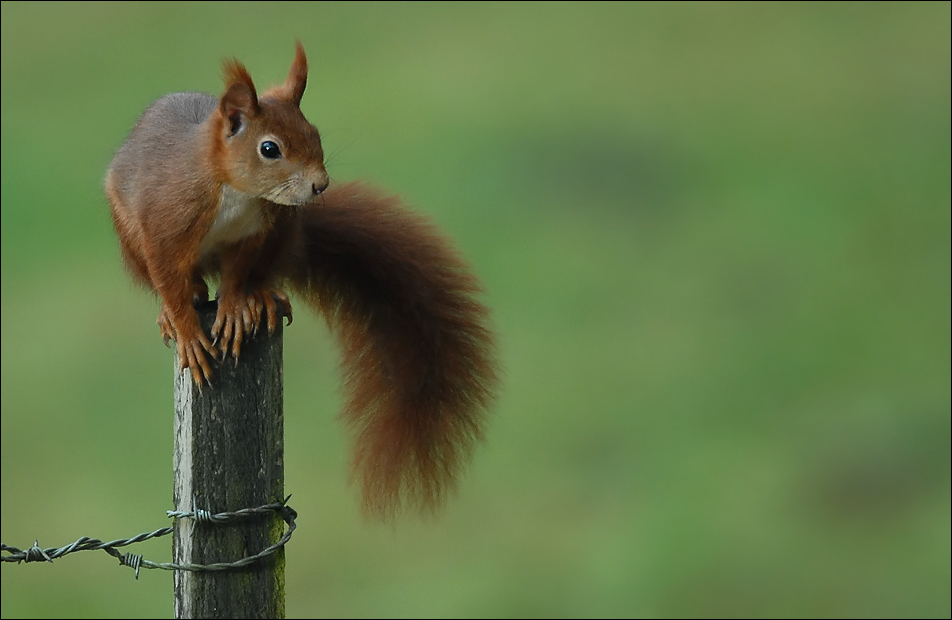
(229, 454)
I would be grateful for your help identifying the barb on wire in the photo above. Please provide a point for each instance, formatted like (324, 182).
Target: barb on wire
(135, 561)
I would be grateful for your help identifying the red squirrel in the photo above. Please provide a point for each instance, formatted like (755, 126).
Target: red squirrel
(236, 188)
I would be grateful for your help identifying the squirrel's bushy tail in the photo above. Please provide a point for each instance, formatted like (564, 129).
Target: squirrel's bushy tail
(418, 357)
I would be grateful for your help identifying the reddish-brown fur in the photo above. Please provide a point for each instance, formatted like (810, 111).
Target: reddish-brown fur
(417, 355)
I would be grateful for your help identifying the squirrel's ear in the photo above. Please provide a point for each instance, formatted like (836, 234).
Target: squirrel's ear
(240, 101)
(297, 77)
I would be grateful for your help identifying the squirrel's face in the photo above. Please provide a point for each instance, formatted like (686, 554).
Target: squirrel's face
(276, 155)
(267, 148)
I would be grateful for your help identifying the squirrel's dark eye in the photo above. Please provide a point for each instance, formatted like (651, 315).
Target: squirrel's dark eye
(270, 150)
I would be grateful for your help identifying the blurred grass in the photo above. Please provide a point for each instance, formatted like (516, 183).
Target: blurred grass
(716, 239)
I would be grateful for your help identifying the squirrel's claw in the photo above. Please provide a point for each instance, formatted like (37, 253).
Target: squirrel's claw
(271, 302)
(165, 327)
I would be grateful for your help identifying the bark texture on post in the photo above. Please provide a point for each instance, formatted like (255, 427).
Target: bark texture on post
(229, 454)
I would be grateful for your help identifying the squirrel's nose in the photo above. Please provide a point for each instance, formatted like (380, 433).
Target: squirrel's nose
(319, 186)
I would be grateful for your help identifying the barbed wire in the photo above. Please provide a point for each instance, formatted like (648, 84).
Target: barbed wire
(136, 561)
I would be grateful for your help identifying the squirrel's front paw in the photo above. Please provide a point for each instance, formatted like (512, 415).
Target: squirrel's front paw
(238, 316)
(191, 355)
(191, 344)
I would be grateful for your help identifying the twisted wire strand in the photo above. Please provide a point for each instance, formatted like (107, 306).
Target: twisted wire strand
(136, 561)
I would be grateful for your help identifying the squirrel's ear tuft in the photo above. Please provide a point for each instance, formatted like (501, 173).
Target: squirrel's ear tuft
(240, 101)
(293, 88)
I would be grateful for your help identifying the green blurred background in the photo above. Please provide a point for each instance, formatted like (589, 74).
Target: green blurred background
(716, 240)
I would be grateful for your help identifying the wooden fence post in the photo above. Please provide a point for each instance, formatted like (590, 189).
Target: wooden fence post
(229, 454)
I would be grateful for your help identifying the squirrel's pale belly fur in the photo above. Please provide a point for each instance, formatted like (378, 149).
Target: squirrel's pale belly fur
(417, 354)
(239, 216)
